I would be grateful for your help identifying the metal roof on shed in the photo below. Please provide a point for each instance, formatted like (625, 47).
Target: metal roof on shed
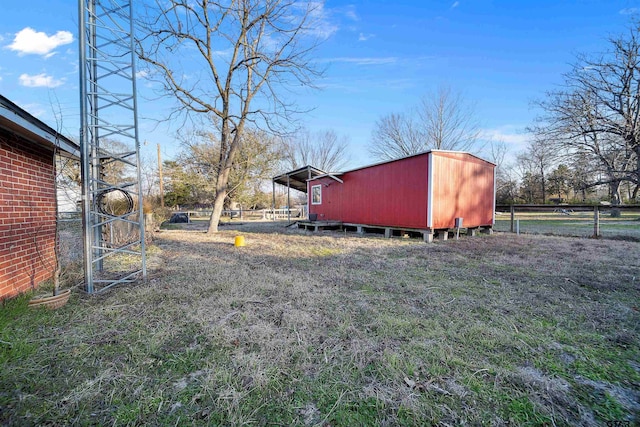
(297, 179)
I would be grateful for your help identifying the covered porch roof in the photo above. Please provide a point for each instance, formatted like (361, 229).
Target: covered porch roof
(297, 179)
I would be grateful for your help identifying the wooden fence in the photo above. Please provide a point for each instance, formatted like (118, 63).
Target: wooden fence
(582, 211)
(253, 214)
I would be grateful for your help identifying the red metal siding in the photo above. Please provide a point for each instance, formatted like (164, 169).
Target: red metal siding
(395, 194)
(462, 187)
(390, 194)
(27, 215)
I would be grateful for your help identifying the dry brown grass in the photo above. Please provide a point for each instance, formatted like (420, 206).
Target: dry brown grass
(334, 329)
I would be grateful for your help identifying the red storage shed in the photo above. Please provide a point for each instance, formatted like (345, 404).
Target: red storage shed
(424, 192)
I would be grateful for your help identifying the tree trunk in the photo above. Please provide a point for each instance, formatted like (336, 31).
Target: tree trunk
(543, 183)
(635, 190)
(218, 205)
(221, 187)
(615, 192)
(227, 157)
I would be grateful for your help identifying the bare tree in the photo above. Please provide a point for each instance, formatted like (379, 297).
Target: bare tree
(573, 122)
(325, 150)
(447, 121)
(497, 153)
(506, 183)
(395, 136)
(538, 159)
(149, 176)
(581, 175)
(597, 114)
(257, 161)
(443, 120)
(229, 61)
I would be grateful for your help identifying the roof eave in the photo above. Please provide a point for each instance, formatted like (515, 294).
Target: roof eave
(17, 120)
(433, 150)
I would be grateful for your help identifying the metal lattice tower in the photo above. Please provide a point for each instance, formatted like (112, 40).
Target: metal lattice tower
(113, 220)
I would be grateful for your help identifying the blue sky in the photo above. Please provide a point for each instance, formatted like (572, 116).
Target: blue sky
(381, 57)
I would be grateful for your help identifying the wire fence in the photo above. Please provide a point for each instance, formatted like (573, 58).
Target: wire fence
(622, 222)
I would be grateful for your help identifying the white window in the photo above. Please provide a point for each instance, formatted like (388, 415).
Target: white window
(316, 195)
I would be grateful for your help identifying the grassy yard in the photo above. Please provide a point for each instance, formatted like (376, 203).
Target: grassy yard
(333, 329)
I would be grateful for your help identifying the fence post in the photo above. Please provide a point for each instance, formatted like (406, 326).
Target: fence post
(513, 214)
(596, 221)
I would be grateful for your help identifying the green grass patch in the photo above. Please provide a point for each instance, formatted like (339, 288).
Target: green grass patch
(522, 412)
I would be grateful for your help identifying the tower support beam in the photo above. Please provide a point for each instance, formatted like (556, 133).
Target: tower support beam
(112, 202)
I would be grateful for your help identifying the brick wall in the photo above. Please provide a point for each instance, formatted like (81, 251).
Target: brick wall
(27, 215)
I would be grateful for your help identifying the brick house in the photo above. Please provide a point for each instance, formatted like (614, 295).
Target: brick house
(27, 198)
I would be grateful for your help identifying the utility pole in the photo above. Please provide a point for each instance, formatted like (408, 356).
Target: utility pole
(161, 181)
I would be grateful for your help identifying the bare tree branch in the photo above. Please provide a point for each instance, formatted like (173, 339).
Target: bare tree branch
(597, 114)
(242, 53)
(325, 150)
(443, 121)
(447, 121)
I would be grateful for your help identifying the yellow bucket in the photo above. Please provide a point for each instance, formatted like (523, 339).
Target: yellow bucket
(239, 242)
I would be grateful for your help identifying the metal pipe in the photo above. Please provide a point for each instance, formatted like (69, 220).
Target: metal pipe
(273, 203)
(288, 200)
(160, 178)
(94, 141)
(84, 154)
(513, 214)
(143, 256)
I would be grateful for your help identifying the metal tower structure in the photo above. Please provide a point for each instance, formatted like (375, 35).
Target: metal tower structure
(113, 220)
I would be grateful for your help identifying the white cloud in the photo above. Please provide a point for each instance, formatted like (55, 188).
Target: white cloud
(360, 85)
(508, 134)
(324, 30)
(142, 74)
(364, 37)
(350, 12)
(320, 24)
(29, 41)
(629, 11)
(364, 61)
(39, 80)
(455, 4)
(327, 21)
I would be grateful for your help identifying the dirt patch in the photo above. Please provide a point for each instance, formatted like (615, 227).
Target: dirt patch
(628, 398)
